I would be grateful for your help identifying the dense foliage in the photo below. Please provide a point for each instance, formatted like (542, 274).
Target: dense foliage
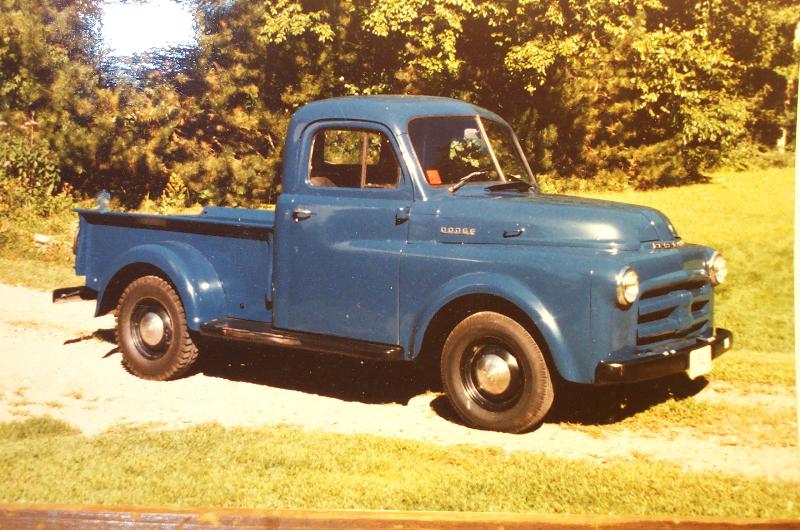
(621, 92)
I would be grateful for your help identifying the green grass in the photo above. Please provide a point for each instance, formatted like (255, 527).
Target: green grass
(748, 217)
(35, 273)
(758, 368)
(678, 407)
(24, 262)
(765, 426)
(33, 428)
(282, 467)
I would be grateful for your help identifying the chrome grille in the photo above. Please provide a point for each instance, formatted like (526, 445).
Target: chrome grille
(673, 311)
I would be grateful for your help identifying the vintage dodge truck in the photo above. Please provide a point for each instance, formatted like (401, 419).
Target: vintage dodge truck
(412, 228)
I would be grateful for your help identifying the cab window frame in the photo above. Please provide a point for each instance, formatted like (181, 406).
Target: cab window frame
(360, 127)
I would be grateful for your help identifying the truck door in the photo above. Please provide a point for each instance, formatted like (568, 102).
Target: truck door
(341, 235)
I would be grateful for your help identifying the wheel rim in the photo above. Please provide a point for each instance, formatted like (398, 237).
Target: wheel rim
(492, 375)
(151, 329)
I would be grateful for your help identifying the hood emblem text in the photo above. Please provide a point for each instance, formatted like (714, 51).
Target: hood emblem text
(457, 230)
(660, 245)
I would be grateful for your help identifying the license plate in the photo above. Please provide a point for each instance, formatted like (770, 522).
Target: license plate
(699, 362)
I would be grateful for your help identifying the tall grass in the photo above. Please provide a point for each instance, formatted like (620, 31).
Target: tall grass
(285, 467)
(24, 261)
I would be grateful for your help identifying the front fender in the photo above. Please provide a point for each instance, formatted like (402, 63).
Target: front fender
(196, 280)
(507, 288)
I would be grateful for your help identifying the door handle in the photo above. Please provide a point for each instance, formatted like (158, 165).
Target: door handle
(300, 214)
(513, 233)
(401, 215)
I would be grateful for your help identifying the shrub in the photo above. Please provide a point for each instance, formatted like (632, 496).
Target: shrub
(29, 174)
(175, 195)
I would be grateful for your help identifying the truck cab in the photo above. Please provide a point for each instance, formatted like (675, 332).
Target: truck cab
(412, 228)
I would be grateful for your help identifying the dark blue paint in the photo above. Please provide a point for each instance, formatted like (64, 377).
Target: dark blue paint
(373, 264)
(214, 275)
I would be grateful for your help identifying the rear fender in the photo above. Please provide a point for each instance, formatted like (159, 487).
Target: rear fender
(195, 279)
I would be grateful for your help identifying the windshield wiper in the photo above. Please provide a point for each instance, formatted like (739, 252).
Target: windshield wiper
(464, 180)
(515, 182)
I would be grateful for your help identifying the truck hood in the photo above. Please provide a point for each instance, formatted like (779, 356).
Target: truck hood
(541, 219)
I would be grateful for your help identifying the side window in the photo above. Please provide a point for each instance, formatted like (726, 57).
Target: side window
(350, 158)
(341, 148)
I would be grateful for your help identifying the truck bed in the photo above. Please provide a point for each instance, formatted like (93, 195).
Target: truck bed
(226, 252)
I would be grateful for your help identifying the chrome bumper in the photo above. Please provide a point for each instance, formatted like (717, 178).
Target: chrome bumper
(655, 366)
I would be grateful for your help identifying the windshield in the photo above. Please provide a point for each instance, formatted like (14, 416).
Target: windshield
(451, 148)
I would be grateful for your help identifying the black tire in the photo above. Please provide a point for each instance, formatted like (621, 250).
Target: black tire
(152, 299)
(495, 375)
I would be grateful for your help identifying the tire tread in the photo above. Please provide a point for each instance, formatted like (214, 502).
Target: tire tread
(542, 400)
(187, 353)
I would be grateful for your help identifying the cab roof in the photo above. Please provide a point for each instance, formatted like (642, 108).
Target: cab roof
(393, 111)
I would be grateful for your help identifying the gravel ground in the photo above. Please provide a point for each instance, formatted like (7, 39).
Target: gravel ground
(60, 361)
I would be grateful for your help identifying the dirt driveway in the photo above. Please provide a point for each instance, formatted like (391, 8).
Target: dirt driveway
(59, 361)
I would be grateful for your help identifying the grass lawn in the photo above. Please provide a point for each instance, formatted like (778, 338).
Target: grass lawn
(46, 461)
(33, 272)
(685, 415)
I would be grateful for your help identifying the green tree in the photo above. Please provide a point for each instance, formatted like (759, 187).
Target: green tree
(46, 88)
(624, 92)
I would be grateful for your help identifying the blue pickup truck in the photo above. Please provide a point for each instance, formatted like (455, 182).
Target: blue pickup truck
(412, 228)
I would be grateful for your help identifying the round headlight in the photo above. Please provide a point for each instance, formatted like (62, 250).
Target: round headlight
(717, 269)
(627, 286)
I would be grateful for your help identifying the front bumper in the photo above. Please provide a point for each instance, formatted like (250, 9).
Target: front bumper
(655, 366)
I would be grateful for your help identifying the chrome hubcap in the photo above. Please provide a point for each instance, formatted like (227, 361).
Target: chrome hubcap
(492, 374)
(151, 329)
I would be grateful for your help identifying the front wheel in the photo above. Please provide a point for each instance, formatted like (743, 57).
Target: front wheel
(495, 375)
(152, 332)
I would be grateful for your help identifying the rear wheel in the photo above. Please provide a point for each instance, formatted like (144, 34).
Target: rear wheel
(152, 332)
(495, 375)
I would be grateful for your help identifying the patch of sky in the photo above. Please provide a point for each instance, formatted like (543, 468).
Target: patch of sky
(131, 28)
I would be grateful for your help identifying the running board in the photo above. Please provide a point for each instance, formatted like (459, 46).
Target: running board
(264, 333)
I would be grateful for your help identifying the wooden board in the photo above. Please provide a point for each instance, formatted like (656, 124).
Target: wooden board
(38, 516)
